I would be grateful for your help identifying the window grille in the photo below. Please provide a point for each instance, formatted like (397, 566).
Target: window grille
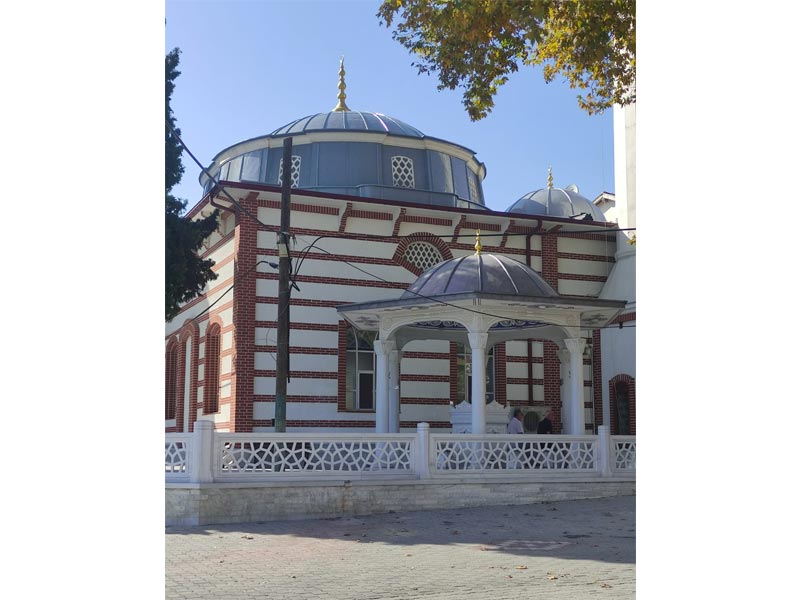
(423, 255)
(402, 172)
(295, 171)
(473, 188)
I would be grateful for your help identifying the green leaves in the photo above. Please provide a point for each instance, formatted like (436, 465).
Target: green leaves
(186, 274)
(476, 44)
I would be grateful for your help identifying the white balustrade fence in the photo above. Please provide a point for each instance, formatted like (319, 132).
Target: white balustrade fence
(207, 456)
(471, 453)
(176, 455)
(313, 454)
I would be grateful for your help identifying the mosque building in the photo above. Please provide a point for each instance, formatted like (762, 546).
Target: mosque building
(384, 222)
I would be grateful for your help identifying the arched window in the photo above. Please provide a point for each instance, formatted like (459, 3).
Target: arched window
(622, 396)
(621, 408)
(211, 371)
(422, 255)
(360, 381)
(171, 381)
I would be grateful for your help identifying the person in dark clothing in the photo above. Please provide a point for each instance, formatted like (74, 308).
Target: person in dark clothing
(546, 424)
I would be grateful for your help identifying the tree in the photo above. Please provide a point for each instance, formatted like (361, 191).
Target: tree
(186, 273)
(476, 44)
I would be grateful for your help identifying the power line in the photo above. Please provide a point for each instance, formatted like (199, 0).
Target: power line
(306, 250)
(505, 318)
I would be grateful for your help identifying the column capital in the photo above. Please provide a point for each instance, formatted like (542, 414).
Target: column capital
(575, 345)
(478, 339)
(384, 346)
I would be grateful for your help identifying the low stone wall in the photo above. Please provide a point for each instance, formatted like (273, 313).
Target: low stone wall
(209, 504)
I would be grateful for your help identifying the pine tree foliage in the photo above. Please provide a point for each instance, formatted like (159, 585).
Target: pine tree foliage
(186, 273)
(476, 44)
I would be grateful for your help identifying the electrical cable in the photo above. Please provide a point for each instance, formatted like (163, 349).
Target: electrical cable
(222, 189)
(210, 306)
(505, 318)
(294, 272)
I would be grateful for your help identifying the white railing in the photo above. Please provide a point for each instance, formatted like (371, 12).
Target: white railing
(301, 455)
(206, 456)
(176, 455)
(513, 453)
(624, 452)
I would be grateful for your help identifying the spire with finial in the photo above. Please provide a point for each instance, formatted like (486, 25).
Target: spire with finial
(550, 178)
(341, 106)
(478, 246)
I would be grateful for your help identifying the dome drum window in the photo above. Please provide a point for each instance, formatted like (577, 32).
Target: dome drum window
(296, 160)
(422, 255)
(402, 172)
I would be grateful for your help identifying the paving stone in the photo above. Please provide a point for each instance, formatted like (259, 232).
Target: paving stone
(582, 549)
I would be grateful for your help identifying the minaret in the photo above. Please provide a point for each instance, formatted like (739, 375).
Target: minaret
(341, 106)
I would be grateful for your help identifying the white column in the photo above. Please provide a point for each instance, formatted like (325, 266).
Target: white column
(394, 389)
(566, 417)
(604, 450)
(423, 450)
(382, 350)
(201, 466)
(577, 418)
(477, 343)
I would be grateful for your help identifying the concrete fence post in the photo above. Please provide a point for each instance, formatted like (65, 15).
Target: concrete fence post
(202, 451)
(423, 450)
(604, 451)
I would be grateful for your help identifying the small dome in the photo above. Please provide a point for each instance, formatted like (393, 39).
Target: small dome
(351, 120)
(487, 273)
(556, 202)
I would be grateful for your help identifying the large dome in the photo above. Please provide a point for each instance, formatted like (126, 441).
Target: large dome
(357, 153)
(351, 120)
(556, 202)
(486, 273)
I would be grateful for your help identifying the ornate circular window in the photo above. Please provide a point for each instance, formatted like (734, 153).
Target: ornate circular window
(423, 255)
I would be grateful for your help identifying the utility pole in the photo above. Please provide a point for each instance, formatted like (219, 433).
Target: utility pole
(284, 291)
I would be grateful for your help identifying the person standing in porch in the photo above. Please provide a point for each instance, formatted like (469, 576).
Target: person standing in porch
(546, 424)
(515, 425)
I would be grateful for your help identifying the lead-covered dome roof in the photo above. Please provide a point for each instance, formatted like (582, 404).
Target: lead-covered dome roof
(556, 202)
(486, 273)
(350, 120)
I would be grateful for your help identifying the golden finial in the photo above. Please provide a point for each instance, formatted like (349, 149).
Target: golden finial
(478, 246)
(341, 107)
(550, 178)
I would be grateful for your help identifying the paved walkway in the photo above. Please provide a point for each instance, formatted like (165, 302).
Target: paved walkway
(572, 549)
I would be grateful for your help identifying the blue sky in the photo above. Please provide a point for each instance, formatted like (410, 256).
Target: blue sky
(249, 67)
